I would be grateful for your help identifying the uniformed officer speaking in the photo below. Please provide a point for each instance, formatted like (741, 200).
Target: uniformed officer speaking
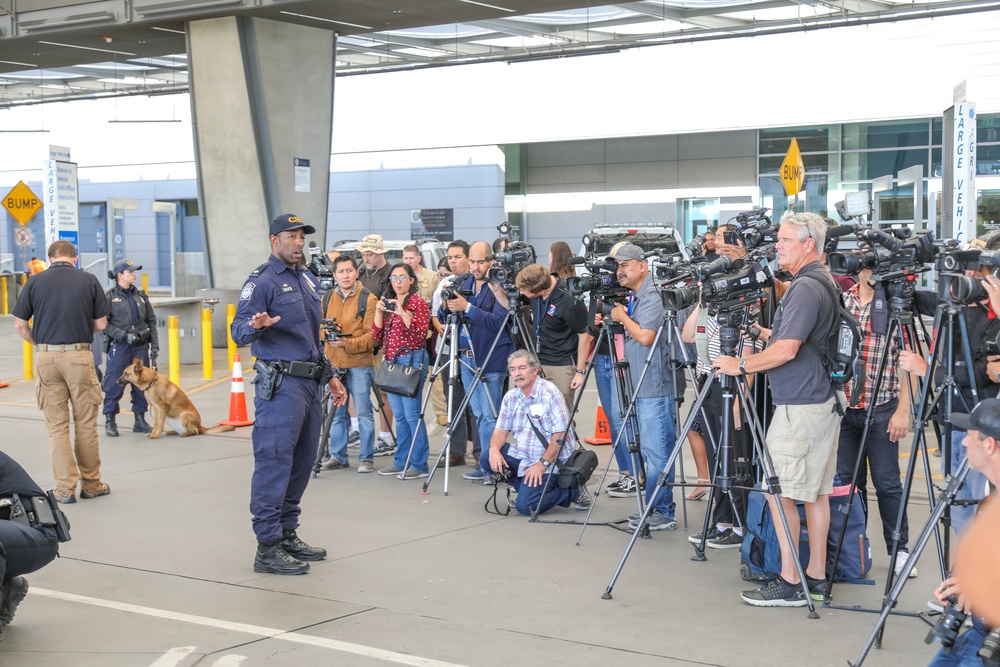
(131, 333)
(279, 316)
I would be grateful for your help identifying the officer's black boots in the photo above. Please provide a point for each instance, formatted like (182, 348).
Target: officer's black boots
(141, 426)
(296, 548)
(272, 559)
(110, 427)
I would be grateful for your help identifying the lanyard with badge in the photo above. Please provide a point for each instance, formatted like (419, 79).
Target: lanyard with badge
(543, 309)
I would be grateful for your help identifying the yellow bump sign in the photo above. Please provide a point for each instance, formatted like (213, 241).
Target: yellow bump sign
(793, 171)
(21, 203)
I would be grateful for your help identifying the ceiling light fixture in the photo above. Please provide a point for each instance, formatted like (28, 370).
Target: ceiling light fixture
(88, 48)
(176, 32)
(320, 18)
(483, 4)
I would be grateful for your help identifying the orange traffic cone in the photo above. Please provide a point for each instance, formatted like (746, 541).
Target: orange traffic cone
(237, 398)
(4, 384)
(602, 432)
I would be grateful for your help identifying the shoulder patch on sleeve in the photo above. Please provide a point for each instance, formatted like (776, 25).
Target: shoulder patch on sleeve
(247, 291)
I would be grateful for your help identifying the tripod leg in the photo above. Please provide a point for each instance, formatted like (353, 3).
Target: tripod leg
(324, 433)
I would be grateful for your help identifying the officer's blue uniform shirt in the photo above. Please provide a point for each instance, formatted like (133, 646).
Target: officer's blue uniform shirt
(291, 293)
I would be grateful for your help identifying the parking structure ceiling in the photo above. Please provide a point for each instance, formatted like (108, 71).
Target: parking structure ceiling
(57, 50)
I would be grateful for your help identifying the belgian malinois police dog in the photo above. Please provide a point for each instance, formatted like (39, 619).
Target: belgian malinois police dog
(169, 405)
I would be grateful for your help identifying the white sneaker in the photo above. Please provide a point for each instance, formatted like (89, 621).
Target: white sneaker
(901, 558)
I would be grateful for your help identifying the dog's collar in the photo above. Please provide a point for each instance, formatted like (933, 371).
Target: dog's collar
(148, 385)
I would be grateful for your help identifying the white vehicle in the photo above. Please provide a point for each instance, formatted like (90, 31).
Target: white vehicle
(431, 251)
(600, 240)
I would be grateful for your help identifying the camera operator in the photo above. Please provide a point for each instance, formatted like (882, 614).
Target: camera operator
(533, 403)
(890, 418)
(654, 399)
(802, 438)
(352, 307)
(25, 545)
(483, 316)
(981, 444)
(560, 323)
(728, 518)
(131, 333)
(982, 326)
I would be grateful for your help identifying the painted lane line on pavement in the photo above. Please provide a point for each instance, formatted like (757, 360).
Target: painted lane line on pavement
(272, 633)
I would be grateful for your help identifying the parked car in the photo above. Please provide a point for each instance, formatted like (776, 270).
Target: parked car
(431, 251)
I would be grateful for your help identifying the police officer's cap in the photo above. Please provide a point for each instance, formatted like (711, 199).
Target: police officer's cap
(123, 265)
(286, 222)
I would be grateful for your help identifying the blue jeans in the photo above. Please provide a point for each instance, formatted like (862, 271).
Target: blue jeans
(657, 443)
(358, 383)
(528, 496)
(486, 417)
(604, 372)
(974, 487)
(408, 421)
(963, 653)
(883, 459)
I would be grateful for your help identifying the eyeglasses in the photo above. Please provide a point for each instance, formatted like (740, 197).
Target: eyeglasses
(398, 279)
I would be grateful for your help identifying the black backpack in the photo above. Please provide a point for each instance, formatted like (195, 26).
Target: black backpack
(842, 354)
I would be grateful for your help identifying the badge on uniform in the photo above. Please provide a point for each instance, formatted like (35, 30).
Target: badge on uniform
(247, 291)
(551, 310)
(116, 300)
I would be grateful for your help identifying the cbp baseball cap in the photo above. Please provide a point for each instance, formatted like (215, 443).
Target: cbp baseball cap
(984, 418)
(629, 251)
(125, 265)
(286, 222)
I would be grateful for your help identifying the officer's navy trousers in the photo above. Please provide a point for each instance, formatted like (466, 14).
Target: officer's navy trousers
(285, 436)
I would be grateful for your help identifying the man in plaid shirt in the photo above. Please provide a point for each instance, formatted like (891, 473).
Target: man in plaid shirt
(533, 400)
(890, 419)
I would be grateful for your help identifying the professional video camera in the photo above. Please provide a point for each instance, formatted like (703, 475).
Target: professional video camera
(695, 250)
(507, 263)
(332, 330)
(891, 255)
(755, 229)
(741, 281)
(953, 285)
(321, 267)
(670, 268)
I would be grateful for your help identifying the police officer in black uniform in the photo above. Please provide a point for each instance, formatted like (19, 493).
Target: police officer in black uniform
(279, 316)
(26, 545)
(131, 333)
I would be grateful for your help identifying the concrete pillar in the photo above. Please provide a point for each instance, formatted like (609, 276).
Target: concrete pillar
(262, 98)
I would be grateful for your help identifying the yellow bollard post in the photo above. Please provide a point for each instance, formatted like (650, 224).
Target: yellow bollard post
(231, 344)
(206, 343)
(24, 278)
(4, 305)
(145, 282)
(174, 349)
(29, 361)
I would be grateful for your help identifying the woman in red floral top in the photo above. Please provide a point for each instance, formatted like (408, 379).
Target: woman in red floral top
(402, 324)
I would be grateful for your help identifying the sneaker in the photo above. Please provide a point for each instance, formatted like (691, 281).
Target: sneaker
(934, 605)
(901, 558)
(391, 470)
(476, 474)
(775, 593)
(615, 485)
(583, 501)
(713, 532)
(353, 439)
(412, 474)
(819, 589)
(101, 489)
(726, 539)
(656, 521)
(626, 488)
(334, 464)
(366, 466)
(12, 594)
(384, 448)
(64, 496)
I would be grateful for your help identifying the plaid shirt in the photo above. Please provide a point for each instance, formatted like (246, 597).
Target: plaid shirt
(872, 348)
(548, 411)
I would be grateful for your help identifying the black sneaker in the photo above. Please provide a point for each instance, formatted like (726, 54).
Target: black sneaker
(272, 559)
(819, 589)
(296, 548)
(776, 593)
(713, 532)
(626, 488)
(726, 539)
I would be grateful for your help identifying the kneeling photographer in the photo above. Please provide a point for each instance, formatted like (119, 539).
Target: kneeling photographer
(981, 444)
(535, 413)
(968, 287)
(31, 527)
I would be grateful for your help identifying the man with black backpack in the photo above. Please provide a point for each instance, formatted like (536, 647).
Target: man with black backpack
(352, 305)
(802, 438)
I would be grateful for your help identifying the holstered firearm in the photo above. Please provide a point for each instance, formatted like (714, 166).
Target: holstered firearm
(268, 379)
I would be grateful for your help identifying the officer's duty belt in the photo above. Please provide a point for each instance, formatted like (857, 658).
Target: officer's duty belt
(312, 370)
(64, 347)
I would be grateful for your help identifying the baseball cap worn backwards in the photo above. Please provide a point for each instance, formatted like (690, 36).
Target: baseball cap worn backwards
(985, 418)
(287, 222)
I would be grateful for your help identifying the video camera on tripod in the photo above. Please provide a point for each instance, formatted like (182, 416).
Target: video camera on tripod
(741, 280)
(602, 282)
(755, 229)
(510, 261)
(954, 286)
(321, 267)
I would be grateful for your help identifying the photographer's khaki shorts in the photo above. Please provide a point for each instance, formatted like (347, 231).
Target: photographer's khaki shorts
(802, 442)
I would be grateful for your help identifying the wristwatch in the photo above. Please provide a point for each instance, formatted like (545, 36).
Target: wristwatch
(545, 463)
(581, 372)
(743, 366)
